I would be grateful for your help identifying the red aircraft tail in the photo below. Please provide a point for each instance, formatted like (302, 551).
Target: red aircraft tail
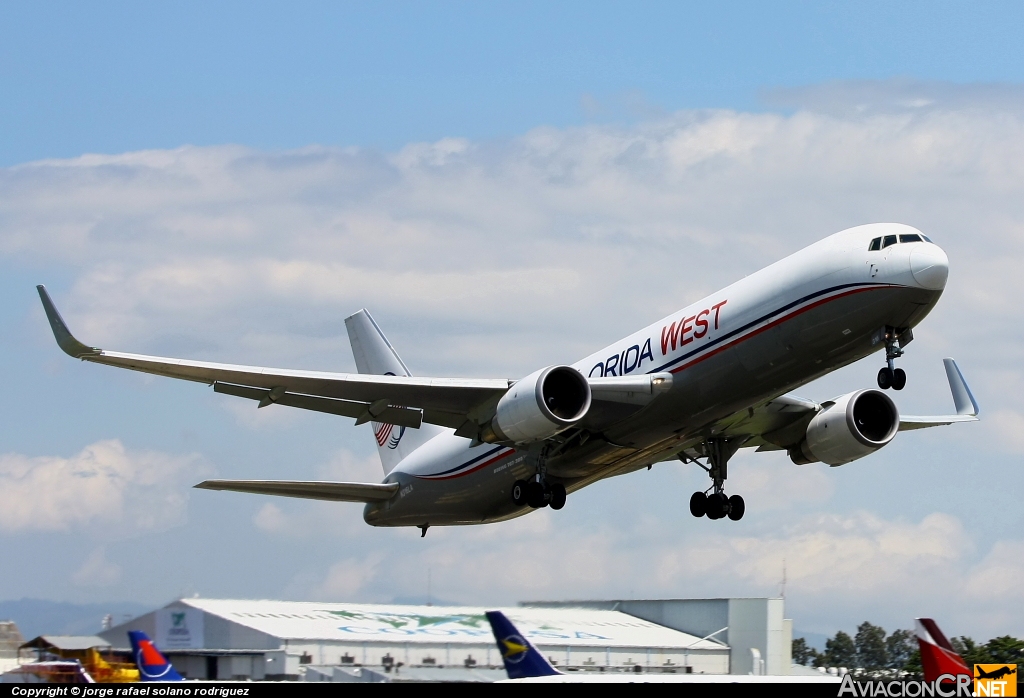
(937, 654)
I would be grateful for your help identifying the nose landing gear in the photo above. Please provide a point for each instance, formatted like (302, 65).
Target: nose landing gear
(718, 505)
(891, 377)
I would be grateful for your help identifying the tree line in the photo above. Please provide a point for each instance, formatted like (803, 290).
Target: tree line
(872, 651)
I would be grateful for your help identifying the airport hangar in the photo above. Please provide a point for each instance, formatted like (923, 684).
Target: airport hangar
(262, 639)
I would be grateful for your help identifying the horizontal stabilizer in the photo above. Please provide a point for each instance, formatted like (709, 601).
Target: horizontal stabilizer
(967, 409)
(329, 491)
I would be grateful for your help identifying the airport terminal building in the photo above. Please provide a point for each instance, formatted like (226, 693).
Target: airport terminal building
(262, 639)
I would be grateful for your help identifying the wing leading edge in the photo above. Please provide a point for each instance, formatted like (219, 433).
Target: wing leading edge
(443, 401)
(456, 403)
(329, 491)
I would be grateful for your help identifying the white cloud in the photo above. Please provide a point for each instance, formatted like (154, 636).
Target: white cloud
(346, 578)
(1007, 427)
(102, 486)
(97, 571)
(495, 258)
(237, 254)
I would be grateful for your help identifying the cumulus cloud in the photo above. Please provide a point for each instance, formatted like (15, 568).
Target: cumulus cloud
(103, 485)
(97, 571)
(493, 258)
(473, 252)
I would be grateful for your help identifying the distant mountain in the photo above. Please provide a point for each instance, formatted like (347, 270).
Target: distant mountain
(39, 617)
(815, 640)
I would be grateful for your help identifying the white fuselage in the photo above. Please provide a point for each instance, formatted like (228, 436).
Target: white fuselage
(781, 327)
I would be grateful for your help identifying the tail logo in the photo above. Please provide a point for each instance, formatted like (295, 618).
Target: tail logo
(514, 649)
(384, 434)
(150, 662)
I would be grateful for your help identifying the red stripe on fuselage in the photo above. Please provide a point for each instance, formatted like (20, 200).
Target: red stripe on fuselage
(774, 323)
(467, 472)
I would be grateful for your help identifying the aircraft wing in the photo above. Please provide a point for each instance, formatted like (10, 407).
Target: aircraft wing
(967, 409)
(444, 401)
(401, 400)
(330, 491)
(781, 422)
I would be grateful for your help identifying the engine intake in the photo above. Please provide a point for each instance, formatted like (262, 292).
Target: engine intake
(539, 406)
(851, 427)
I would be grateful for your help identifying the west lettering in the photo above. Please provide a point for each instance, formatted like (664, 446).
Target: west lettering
(670, 333)
(701, 323)
(684, 327)
(717, 307)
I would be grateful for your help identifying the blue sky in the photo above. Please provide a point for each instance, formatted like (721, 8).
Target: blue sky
(114, 77)
(504, 186)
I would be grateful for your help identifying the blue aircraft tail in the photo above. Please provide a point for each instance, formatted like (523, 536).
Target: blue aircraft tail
(153, 666)
(522, 661)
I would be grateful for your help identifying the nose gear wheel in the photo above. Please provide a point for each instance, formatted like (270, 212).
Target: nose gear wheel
(890, 376)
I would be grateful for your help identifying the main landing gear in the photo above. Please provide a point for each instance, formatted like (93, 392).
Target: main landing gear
(538, 492)
(890, 377)
(717, 505)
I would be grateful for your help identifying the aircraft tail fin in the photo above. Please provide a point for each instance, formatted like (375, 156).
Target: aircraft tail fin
(374, 355)
(937, 654)
(522, 660)
(153, 666)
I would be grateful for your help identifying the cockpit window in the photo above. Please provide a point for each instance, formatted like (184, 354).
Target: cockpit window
(889, 240)
(876, 244)
(926, 238)
(910, 238)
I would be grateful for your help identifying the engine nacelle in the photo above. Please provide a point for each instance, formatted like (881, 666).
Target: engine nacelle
(853, 426)
(539, 406)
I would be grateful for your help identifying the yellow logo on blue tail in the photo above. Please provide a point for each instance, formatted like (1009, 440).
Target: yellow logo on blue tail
(515, 648)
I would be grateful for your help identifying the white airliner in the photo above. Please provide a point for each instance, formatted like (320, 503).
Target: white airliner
(697, 385)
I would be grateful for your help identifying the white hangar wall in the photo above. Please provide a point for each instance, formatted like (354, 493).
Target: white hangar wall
(225, 638)
(744, 624)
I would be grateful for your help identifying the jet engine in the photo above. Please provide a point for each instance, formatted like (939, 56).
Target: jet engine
(850, 427)
(539, 406)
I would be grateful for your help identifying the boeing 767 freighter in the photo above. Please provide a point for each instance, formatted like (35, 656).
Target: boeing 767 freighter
(695, 386)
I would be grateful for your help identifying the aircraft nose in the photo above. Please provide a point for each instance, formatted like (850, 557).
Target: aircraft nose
(930, 266)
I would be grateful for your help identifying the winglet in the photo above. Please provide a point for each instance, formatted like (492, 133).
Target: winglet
(71, 346)
(963, 399)
(522, 660)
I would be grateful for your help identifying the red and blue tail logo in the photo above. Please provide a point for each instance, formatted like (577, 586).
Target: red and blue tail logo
(386, 434)
(153, 666)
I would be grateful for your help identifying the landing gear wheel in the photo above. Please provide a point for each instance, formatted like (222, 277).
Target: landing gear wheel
(718, 505)
(736, 507)
(535, 495)
(557, 496)
(899, 379)
(519, 493)
(698, 504)
(885, 378)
